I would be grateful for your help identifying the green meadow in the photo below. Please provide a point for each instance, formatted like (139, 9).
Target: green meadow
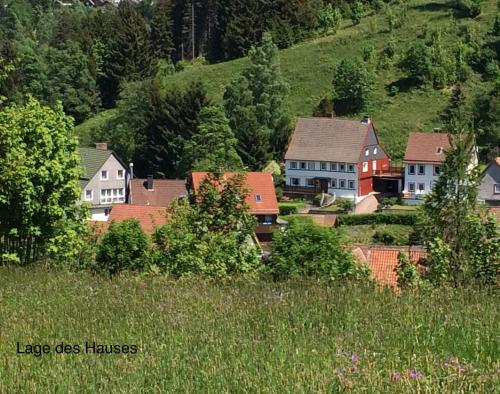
(243, 335)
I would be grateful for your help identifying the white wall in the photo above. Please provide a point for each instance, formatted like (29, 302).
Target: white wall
(303, 175)
(427, 179)
(99, 214)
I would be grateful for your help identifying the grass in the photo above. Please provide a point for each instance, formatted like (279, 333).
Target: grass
(309, 66)
(244, 336)
(363, 234)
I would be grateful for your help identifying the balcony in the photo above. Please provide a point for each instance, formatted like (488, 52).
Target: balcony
(303, 189)
(391, 171)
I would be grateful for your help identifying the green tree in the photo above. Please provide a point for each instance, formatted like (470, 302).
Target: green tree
(39, 181)
(124, 247)
(329, 19)
(457, 113)
(407, 273)
(357, 10)
(161, 29)
(468, 8)
(213, 147)
(257, 99)
(352, 85)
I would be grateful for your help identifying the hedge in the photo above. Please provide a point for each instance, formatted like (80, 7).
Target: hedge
(406, 218)
(288, 210)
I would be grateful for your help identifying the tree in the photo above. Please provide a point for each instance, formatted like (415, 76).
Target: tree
(407, 273)
(357, 10)
(468, 8)
(124, 247)
(329, 19)
(161, 29)
(39, 181)
(306, 249)
(352, 85)
(255, 104)
(457, 114)
(213, 147)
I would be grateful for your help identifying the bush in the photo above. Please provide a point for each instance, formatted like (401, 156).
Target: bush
(384, 237)
(468, 8)
(345, 204)
(306, 249)
(317, 200)
(407, 273)
(288, 209)
(408, 219)
(125, 246)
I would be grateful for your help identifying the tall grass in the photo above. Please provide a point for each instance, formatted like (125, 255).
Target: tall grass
(244, 335)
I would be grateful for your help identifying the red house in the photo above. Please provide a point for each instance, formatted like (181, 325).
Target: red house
(336, 156)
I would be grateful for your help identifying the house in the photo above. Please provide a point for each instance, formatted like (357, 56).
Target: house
(261, 199)
(148, 216)
(336, 156)
(489, 188)
(104, 182)
(155, 192)
(383, 260)
(425, 153)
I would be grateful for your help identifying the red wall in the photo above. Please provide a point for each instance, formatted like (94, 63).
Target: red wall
(365, 179)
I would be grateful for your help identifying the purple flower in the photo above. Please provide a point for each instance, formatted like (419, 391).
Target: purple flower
(354, 358)
(414, 374)
(395, 376)
(461, 368)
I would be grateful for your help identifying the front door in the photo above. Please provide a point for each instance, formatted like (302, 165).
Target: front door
(323, 185)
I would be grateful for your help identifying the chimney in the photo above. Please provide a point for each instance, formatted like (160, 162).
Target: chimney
(150, 182)
(366, 120)
(101, 145)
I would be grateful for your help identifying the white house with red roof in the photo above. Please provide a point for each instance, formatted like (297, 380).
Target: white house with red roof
(335, 156)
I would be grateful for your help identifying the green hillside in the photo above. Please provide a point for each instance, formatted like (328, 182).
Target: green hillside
(309, 66)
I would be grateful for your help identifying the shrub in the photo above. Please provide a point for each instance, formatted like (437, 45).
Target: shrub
(125, 246)
(384, 237)
(317, 200)
(407, 273)
(306, 249)
(345, 204)
(288, 209)
(406, 218)
(468, 8)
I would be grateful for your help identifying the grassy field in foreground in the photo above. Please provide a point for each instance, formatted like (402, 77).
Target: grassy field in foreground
(243, 336)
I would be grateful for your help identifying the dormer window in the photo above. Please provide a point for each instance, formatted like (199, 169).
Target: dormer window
(258, 198)
(104, 175)
(367, 152)
(375, 150)
(439, 150)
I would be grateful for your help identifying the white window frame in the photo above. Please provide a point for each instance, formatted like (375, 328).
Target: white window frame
(365, 166)
(107, 175)
(496, 188)
(293, 165)
(340, 183)
(91, 195)
(341, 167)
(412, 169)
(423, 167)
(303, 165)
(438, 172)
(309, 182)
(374, 165)
(323, 166)
(334, 167)
(411, 187)
(439, 150)
(333, 182)
(367, 152)
(350, 168)
(311, 166)
(375, 150)
(353, 183)
(292, 181)
(118, 174)
(421, 189)
(112, 196)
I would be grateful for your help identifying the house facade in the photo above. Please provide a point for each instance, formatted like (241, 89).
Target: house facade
(335, 156)
(489, 188)
(104, 182)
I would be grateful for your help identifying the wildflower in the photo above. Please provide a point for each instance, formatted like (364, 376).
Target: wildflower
(414, 374)
(354, 358)
(395, 376)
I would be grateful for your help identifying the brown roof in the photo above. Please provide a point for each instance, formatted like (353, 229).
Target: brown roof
(163, 193)
(422, 147)
(258, 184)
(383, 260)
(148, 216)
(327, 139)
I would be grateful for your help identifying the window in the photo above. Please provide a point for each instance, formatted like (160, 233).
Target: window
(365, 166)
(293, 165)
(421, 187)
(311, 166)
(496, 188)
(437, 170)
(258, 198)
(367, 152)
(374, 165)
(421, 169)
(104, 175)
(342, 183)
(112, 195)
(439, 150)
(323, 166)
(342, 167)
(303, 165)
(350, 168)
(120, 174)
(411, 187)
(375, 150)
(334, 183)
(351, 184)
(89, 195)
(310, 182)
(411, 169)
(295, 181)
(333, 166)
(268, 219)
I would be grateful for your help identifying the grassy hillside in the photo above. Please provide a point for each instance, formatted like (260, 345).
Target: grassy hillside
(309, 66)
(198, 336)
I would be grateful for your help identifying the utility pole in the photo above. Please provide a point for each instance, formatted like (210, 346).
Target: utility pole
(192, 28)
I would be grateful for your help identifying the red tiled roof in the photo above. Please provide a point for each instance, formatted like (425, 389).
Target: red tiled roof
(422, 147)
(163, 193)
(258, 184)
(383, 260)
(148, 216)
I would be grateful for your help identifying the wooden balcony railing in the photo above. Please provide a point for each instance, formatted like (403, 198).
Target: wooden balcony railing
(302, 189)
(392, 170)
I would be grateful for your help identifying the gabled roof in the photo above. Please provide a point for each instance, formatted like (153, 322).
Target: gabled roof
(422, 147)
(494, 162)
(258, 184)
(163, 193)
(327, 139)
(383, 260)
(92, 160)
(148, 216)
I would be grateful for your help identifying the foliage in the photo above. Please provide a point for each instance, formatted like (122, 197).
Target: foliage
(329, 19)
(211, 237)
(468, 8)
(317, 199)
(376, 234)
(352, 85)
(407, 272)
(384, 237)
(213, 147)
(287, 209)
(405, 218)
(345, 204)
(357, 10)
(161, 29)
(256, 108)
(305, 249)
(39, 180)
(124, 247)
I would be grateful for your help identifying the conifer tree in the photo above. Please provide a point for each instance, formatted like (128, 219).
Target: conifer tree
(161, 29)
